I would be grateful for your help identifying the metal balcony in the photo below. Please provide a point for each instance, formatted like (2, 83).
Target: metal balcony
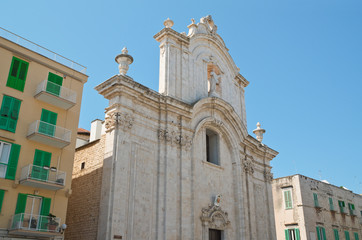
(42, 177)
(30, 225)
(49, 134)
(56, 95)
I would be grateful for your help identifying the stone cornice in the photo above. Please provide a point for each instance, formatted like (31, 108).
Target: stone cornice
(125, 85)
(169, 32)
(241, 80)
(260, 149)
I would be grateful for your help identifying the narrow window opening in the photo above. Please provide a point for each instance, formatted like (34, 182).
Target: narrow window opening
(82, 165)
(212, 147)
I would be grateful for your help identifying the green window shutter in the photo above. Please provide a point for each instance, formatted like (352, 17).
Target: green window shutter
(13, 161)
(9, 113)
(21, 203)
(41, 159)
(54, 84)
(48, 117)
(17, 74)
(346, 234)
(287, 199)
(336, 234)
(355, 234)
(331, 204)
(286, 234)
(315, 196)
(297, 234)
(324, 234)
(2, 193)
(318, 234)
(44, 211)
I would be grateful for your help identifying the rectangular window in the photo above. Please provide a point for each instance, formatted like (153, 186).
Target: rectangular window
(321, 233)
(2, 193)
(346, 234)
(351, 208)
(356, 236)
(292, 234)
(54, 84)
(341, 205)
(315, 197)
(17, 74)
(336, 234)
(215, 234)
(41, 159)
(288, 199)
(331, 207)
(9, 155)
(48, 121)
(27, 211)
(9, 113)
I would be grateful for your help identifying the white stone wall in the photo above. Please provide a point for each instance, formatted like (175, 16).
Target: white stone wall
(157, 183)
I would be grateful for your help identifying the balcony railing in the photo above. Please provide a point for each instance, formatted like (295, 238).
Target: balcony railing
(42, 177)
(49, 134)
(56, 95)
(34, 225)
(41, 50)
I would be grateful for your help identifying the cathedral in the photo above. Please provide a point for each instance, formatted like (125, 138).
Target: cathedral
(178, 163)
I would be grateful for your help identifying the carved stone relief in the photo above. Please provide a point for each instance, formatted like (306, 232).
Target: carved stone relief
(173, 138)
(268, 175)
(248, 165)
(214, 217)
(123, 120)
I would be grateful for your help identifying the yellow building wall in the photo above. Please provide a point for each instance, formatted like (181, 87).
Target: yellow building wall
(30, 111)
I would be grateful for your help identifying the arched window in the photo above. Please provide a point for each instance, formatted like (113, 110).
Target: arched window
(212, 147)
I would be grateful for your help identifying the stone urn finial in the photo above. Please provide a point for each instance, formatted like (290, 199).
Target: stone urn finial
(168, 23)
(124, 60)
(259, 132)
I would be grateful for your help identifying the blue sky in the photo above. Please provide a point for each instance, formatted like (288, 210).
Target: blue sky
(303, 60)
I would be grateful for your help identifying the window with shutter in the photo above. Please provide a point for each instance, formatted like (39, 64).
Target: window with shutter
(331, 207)
(315, 197)
(9, 155)
(336, 234)
(346, 234)
(9, 113)
(292, 234)
(356, 236)
(48, 121)
(17, 74)
(41, 159)
(288, 199)
(54, 84)
(2, 194)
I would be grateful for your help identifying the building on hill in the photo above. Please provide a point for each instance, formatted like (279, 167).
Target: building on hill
(306, 208)
(178, 163)
(40, 103)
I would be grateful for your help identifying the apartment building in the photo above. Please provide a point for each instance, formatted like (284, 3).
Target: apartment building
(306, 208)
(40, 99)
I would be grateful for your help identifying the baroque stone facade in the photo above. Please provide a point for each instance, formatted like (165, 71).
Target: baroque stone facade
(179, 163)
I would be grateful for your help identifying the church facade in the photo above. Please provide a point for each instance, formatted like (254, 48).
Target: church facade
(178, 163)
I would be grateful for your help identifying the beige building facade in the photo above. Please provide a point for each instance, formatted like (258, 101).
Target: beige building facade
(308, 209)
(40, 102)
(177, 163)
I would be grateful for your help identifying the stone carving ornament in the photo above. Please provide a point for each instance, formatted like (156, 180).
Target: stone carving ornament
(268, 175)
(174, 138)
(248, 165)
(124, 120)
(214, 217)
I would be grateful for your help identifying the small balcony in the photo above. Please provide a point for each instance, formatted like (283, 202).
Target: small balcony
(56, 95)
(49, 134)
(42, 177)
(30, 225)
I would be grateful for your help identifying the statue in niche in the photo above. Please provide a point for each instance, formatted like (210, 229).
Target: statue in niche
(212, 84)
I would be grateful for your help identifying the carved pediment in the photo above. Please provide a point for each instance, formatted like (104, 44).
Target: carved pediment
(214, 217)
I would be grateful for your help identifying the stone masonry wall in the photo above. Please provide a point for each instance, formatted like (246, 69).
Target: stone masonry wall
(83, 205)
